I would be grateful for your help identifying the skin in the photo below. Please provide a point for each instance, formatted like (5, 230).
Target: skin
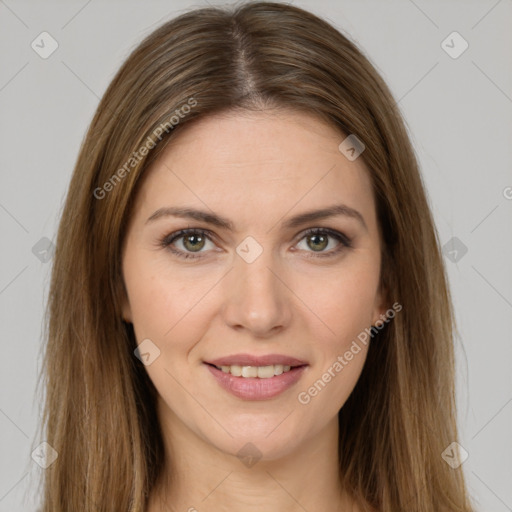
(256, 169)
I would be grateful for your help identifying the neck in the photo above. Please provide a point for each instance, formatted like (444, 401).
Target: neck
(198, 476)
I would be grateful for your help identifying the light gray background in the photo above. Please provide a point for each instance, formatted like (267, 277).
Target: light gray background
(459, 113)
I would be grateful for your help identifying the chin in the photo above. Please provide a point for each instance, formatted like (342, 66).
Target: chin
(270, 440)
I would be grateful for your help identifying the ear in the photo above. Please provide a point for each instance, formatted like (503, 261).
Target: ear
(380, 305)
(126, 310)
(126, 313)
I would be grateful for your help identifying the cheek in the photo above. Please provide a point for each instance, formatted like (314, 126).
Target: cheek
(150, 304)
(344, 301)
(159, 299)
(167, 311)
(345, 307)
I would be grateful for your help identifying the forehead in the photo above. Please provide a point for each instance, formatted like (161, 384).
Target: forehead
(270, 161)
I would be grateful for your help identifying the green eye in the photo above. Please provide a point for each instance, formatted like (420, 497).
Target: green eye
(318, 241)
(194, 240)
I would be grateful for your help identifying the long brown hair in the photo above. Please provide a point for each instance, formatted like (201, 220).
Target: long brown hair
(99, 411)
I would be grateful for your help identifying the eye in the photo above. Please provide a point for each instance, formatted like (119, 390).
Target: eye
(317, 239)
(192, 242)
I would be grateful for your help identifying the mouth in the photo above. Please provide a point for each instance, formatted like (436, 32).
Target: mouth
(260, 372)
(256, 381)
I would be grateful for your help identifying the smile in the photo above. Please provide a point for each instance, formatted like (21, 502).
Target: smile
(262, 372)
(256, 382)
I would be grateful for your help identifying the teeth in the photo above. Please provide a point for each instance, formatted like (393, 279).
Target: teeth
(249, 371)
(265, 372)
(262, 372)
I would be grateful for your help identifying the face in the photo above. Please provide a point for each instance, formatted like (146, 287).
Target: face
(255, 303)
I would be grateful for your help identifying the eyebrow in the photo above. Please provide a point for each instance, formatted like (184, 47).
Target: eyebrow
(292, 222)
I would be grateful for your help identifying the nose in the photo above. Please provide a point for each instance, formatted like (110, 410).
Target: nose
(256, 298)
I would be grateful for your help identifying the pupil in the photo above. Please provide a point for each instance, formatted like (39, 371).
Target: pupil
(321, 237)
(193, 244)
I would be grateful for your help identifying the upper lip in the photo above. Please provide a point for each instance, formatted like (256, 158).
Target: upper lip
(252, 360)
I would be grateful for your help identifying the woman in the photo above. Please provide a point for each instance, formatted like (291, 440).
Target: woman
(249, 309)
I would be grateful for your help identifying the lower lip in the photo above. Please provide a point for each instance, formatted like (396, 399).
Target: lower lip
(254, 388)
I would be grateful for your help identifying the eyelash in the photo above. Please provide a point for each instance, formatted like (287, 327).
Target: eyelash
(345, 242)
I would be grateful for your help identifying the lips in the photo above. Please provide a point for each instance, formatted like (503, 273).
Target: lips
(252, 360)
(246, 385)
